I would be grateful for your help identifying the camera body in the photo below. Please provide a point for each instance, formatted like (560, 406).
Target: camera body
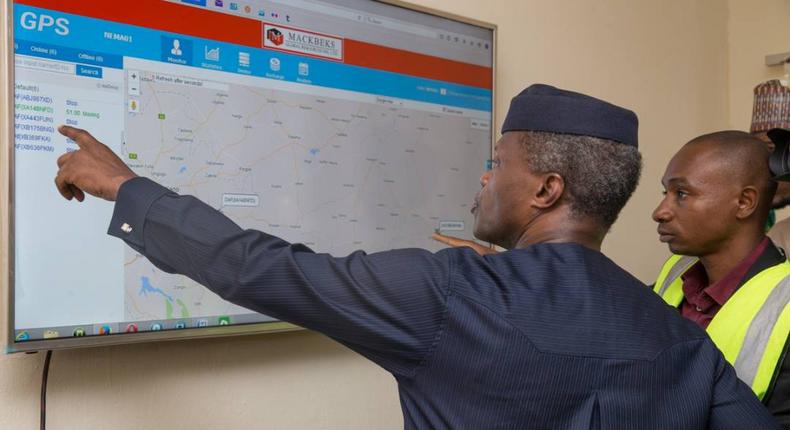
(779, 161)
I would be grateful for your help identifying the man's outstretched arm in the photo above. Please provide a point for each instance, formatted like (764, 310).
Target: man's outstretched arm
(387, 306)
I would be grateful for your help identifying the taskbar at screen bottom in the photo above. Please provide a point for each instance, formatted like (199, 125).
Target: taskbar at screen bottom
(130, 327)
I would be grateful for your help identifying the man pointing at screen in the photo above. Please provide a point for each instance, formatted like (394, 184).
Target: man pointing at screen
(548, 334)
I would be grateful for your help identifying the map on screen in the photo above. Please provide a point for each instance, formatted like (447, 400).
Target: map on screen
(341, 125)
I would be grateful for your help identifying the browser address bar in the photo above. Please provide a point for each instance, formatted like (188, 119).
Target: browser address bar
(358, 16)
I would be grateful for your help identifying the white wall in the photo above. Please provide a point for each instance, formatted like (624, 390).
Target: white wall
(666, 60)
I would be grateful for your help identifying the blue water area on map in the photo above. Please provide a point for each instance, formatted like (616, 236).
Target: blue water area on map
(148, 288)
(314, 151)
(182, 169)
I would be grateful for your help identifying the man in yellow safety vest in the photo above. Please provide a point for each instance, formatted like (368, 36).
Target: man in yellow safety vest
(725, 274)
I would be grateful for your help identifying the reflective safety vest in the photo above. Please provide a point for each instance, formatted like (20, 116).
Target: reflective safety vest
(752, 327)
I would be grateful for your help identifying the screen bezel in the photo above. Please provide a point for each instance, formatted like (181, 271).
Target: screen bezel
(7, 210)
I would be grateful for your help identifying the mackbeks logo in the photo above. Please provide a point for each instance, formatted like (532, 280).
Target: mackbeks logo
(303, 42)
(275, 36)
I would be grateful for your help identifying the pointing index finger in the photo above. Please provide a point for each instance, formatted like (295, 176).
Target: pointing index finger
(78, 135)
(447, 240)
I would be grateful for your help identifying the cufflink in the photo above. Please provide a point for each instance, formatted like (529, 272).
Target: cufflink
(126, 228)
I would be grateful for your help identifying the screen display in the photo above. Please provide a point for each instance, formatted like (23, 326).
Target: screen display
(343, 125)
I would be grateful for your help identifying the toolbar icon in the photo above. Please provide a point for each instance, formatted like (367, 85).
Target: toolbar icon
(244, 59)
(176, 49)
(211, 54)
(274, 64)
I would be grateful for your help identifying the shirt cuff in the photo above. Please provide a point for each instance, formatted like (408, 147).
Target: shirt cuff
(134, 199)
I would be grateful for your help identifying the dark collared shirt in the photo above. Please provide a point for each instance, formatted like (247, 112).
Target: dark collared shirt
(702, 301)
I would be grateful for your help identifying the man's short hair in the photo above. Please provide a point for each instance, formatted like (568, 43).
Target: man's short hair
(745, 159)
(600, 174)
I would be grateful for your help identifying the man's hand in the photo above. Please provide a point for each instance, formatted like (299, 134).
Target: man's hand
(456, 243)
(92, 169)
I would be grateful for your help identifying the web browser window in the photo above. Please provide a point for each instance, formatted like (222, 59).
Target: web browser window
(342, 125)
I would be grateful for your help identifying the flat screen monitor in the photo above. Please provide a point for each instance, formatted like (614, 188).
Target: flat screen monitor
(339, 124)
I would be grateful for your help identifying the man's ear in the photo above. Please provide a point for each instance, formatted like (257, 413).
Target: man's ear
(550, 191)
(748, 201)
